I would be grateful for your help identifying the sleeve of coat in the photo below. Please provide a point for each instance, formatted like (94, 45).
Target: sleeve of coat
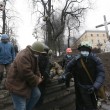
(100, 73)
(25, 67)
(69, 67)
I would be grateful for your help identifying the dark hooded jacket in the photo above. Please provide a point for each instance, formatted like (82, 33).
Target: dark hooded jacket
(66, 60)
(94, 66)
(82, 81)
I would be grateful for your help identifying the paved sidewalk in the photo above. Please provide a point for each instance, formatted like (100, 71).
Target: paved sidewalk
(105, 106)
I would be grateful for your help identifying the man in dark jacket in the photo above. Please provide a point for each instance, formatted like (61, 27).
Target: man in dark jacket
(43, 61)
(7, 55)
(67, 58)
(85, 89)
(24, 77)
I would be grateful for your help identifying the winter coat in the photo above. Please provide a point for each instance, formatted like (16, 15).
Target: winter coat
(7, 53)
(94, 66)
(43, 65)
(82, 81)
(66, 60)
(23, 73)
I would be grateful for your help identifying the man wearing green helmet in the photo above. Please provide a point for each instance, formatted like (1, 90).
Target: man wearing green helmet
(89, 75)
(24, 77)
(38, 47)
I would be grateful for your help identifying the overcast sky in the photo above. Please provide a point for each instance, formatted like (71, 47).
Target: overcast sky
(94, 18)
(26, 25)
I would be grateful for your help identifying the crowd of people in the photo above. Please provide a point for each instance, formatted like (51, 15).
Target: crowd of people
(30, 70)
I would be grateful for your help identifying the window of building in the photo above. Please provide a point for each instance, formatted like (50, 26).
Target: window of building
(103, 34)
(98, 41)
(92, 41)
(97, 34)
(91, 34)
(104, 41)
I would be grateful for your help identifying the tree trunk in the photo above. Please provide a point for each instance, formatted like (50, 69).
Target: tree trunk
(4, 19)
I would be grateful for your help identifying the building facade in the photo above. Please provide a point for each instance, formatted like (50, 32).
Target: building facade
(98, 39)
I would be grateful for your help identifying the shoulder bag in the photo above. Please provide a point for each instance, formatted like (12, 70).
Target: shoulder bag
(101, 91)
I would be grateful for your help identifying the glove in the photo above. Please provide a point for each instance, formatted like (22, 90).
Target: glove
(61, 79)
(91, 90)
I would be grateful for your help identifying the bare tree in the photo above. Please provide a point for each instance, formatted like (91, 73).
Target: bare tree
(9, 18)
(71, 10)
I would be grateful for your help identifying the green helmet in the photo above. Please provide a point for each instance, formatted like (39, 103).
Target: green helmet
(86, 44)
(38, 47)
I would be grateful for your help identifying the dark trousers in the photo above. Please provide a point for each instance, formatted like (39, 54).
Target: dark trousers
(85, 101)
(2, 68)
(42, 88)
(67, 80)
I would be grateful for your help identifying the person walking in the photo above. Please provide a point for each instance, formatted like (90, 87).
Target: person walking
(24, 77)
(16, 49)
(7, 55)
(67, 58)
(88, 83)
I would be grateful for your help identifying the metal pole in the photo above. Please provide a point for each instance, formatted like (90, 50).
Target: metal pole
(106, 28)
(68, 42)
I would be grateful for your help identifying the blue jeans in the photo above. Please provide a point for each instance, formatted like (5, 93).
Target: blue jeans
(20, 103)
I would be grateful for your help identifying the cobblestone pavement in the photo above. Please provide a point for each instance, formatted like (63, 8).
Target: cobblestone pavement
(103, 107)
(106, 106)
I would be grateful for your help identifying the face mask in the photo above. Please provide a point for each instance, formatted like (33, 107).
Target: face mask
(35, 55)
(84, 53)
(68, 56)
